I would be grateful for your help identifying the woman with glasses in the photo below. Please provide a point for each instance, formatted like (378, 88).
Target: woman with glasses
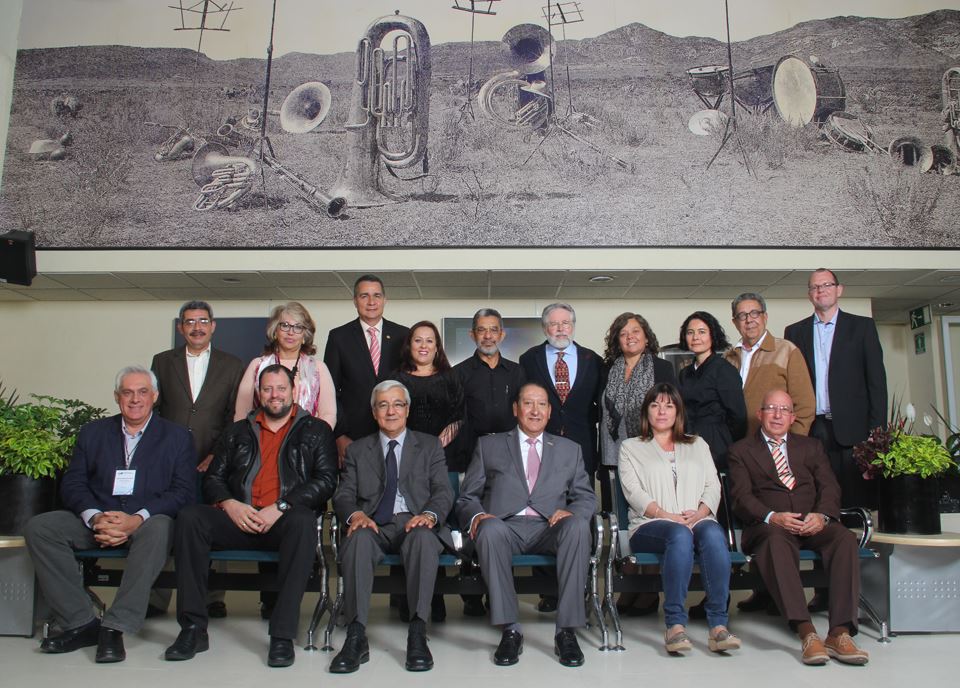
(290, 332)
(436, 406)
(673, 491)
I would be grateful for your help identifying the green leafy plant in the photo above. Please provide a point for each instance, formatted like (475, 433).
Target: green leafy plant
(37, 438)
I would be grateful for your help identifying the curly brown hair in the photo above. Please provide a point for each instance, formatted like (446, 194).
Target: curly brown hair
(612, 341)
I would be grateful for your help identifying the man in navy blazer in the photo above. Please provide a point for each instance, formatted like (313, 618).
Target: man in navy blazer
(129, 476)
(350, 353)
(845, 361)
(575, 413)
(526, 492)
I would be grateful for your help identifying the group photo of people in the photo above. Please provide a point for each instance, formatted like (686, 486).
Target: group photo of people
(489, 459)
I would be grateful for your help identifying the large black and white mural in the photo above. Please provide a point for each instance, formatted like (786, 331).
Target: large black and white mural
(383, 124)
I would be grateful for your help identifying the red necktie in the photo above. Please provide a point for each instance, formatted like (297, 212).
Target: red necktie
(562, 375)
(374, 350)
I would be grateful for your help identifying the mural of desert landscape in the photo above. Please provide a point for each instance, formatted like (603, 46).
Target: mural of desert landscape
(590, 123)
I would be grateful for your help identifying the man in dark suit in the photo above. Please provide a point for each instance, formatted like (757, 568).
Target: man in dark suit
(845, 361)
(394, 496)
(571, 374)
(784, 492)
(129, 476)
(271, 474)
(359, 355)
(526, 492)
(198, 389)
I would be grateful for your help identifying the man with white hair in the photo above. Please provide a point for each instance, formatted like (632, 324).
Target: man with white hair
(129, 476)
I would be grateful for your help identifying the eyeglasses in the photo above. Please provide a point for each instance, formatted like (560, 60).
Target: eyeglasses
(190, 322)
(773, 408)
(396, 405)
(296, 328)
(821, 287)
(487, 330)
(752, 315)
(563, 324)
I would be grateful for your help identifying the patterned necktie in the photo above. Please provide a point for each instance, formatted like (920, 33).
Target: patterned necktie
(780, 462)
(533, 470)
(374, 350)
(384, 512)
(562, 375)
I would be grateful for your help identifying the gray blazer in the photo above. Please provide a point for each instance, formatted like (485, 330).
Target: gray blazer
(495, 482)
(423, 480)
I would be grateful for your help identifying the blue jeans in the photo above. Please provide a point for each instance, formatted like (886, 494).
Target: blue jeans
(708, 542)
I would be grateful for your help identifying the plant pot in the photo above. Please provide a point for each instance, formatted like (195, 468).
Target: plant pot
(909, 504)
(22, 498)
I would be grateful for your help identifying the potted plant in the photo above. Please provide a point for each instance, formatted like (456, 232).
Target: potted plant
(907, 466)
(36, 442)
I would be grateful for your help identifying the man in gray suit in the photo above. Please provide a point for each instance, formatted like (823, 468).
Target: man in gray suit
(527, 492)
(394, 496)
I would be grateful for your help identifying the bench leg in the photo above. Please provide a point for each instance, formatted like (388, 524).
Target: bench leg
(595, 607)
(875, 617)
(610, 607)
(332, 621)
(323, 605)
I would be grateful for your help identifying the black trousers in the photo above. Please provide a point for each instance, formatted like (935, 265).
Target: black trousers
(201, 528)
(854, 490)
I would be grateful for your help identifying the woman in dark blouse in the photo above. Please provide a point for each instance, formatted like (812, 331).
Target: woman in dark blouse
(711, 388)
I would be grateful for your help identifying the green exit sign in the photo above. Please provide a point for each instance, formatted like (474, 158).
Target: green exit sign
(919, 317)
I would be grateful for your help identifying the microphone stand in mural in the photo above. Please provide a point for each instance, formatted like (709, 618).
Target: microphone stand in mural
(730, 129)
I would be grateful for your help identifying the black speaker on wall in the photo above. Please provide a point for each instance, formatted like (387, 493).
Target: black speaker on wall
(18, 258)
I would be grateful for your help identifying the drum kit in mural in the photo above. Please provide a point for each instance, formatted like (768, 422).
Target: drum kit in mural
(387, 123)
(807, 92)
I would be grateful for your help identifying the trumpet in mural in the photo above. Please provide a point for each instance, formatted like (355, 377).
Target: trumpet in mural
(389, 109)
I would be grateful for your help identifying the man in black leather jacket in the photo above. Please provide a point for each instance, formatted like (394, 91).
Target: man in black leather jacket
(271, 475)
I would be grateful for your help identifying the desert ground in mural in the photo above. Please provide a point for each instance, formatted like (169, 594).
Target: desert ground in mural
(776, 186)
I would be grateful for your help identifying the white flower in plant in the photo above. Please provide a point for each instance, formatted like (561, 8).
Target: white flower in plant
(927, 420)
(911, 413)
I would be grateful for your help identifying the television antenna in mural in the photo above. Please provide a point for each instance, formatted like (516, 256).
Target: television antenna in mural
(205, 13)
(475, 7)
(730, 130)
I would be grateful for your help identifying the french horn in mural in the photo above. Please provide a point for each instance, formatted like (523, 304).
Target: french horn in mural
(389, 109)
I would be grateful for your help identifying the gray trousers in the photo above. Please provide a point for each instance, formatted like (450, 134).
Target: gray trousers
(362, 551)
(51, 539)
(497, 542)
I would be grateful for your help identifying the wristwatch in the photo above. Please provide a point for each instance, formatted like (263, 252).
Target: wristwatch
(282, 506)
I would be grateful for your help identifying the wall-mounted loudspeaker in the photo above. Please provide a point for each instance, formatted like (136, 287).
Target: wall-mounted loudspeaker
(18, 258)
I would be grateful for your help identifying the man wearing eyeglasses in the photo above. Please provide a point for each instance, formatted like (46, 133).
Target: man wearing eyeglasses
(766, 362)
(845, 360)
(784, 492)
(394, 497)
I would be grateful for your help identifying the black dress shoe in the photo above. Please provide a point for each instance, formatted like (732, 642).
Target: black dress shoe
(438, 609)
(547, 604)
(473, 605)
(509, 650)
(217, 610)
(355, 651)
(566, 647)
(190, 641)
(110, 646)
(68, 641)
(758, 601)
(418, 654)
(281, 652)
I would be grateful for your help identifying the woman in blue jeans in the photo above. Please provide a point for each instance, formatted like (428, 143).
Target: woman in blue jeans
(672, 489)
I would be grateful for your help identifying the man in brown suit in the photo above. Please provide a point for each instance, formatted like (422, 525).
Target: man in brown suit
(787, 496)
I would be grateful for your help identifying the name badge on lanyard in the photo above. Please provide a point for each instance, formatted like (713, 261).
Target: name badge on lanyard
(123, 482)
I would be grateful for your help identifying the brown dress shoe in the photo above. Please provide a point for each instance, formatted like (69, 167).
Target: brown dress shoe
(843, 649)
(814, 652)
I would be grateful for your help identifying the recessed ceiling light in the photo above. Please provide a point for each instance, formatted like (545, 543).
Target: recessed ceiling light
(946, 304)
(950, 278)
(231, 280)
(597, 279)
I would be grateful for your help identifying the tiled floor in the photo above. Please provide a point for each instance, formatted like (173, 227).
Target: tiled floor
(463, 648)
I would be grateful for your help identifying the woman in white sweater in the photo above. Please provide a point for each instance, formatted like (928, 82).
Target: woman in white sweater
(672, 489)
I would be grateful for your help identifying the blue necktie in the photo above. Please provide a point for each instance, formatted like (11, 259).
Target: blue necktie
(384, 512)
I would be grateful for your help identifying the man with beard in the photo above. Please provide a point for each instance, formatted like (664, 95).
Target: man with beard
(490, 383)
(269, 477)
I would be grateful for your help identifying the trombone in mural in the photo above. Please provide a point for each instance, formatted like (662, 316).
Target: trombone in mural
(389, 109)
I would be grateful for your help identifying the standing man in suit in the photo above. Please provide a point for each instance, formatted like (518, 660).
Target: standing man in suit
(526, 492)
(394, 497)
(766, 362)
(784, 492)
(571, 374)
(129, 476)
(360, 354)
(198, 389)
(845, 361)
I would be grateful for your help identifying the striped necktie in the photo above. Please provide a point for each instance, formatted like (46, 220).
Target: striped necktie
(780, 462)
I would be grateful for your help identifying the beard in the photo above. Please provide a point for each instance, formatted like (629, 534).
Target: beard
(488, 350)
(283, 412)
(559, 342)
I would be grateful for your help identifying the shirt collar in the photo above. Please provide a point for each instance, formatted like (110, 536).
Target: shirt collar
(138, 433)
(524, 436)
(755, 346)
(385, 441)
(833, 320)
(378, 326)
(569, 351)
(768, 439)
(205, 352)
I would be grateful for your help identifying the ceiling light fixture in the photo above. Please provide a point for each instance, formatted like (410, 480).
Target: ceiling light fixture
(599, 279)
